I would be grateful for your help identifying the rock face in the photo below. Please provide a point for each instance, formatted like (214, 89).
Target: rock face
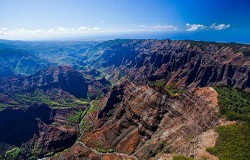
(186, 63)
(139, 121)
(32, 130)
(44, 130)
(64, 78)
(51, 139)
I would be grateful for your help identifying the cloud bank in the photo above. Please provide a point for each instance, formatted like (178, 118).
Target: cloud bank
(23, 32)
(64, 32)
(214, 26)
(194, 27)
(219, 26)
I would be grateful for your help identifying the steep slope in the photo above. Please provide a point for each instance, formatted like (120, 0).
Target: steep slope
(185, 63)
(63, 79)
(142, 122)
(36, 130)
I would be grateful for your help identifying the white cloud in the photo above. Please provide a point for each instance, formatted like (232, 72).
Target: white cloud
(1, 33)
(168, 27)
(195, 27)
(62, 29)
(23, 33)
(80, 29)
(4, 29)
(96, 29)
(64, 32)
(51, 30)
(219, 26)
(157, 27)
(214, 26)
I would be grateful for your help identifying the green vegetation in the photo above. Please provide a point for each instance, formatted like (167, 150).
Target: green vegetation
(86, 123)
(179, 157)
(53, 98)
(246, 52)
(158, 83)
(234, 103)
(102, 150)
(2, 106)
(100, 147)
(76, 118)
(173, 90)
(33, 157)
(162, 147)
(233, 142)
(49, 154)
(13, 154)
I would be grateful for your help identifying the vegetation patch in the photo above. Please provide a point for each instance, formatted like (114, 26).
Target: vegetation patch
(158, 83)
(13, 154)
(172, 89)
(87, 117)
(53, 98)
(233, 142)
(76, 118)
(103, 150)
(234, 103)
(246, 52)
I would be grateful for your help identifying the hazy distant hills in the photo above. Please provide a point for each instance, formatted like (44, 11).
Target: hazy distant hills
(26, 58)
(20, 62)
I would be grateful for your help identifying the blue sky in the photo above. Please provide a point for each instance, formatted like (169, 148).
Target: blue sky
(211, 20)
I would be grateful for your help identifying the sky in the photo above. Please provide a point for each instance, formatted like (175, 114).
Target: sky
(209, 20)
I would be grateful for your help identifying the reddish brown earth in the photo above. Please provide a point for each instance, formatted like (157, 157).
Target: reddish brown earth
(142, 122)
(186, 63)
(135, 120)
(52, 138)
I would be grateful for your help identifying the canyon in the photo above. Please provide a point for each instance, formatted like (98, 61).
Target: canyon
(118, 99)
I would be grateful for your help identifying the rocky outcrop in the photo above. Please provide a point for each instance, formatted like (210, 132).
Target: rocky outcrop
(13, 121)
(37, 130)
(64, 78)
(61, 77)
(140, 121)
(51, 139)
(186, 63)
